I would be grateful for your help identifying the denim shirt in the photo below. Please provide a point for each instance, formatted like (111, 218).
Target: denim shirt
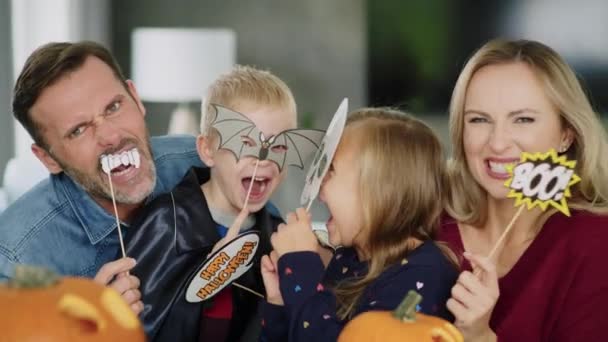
(59, 226)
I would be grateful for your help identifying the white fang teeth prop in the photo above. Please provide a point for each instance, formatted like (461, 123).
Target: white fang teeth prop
(126, 158)
(105, 164)
(136, 158)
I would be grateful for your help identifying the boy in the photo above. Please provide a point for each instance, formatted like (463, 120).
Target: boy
(177, 231)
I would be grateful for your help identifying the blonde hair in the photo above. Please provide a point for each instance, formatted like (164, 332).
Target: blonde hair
(246, 84)
(401, 186)
(589, 148)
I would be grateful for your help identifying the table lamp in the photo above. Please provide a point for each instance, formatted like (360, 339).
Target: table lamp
(177, 65)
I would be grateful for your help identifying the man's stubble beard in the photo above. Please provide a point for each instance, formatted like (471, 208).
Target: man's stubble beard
(98, 185)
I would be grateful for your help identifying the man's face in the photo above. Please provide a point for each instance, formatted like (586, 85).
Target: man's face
(89, 113)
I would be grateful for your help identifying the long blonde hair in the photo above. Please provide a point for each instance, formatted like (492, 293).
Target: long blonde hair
(401, 187)
(590, 146)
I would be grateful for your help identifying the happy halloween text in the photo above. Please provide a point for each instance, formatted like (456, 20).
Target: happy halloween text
(217, 274)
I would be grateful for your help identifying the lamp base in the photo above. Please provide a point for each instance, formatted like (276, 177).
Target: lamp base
(184, 121)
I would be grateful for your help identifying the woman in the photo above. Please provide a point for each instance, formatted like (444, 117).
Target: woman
(548, 280)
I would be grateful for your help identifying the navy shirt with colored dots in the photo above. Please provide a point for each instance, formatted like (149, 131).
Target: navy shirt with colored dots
(309, 313)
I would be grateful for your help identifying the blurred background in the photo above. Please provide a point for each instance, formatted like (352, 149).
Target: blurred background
(384, 52)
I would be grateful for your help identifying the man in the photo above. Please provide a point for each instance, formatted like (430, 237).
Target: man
(75, 103)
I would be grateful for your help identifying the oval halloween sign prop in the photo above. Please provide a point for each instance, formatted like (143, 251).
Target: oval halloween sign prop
(223, 267)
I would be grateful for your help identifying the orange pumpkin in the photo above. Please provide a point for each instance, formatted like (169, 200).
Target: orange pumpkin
(38, 306)
(401, 325)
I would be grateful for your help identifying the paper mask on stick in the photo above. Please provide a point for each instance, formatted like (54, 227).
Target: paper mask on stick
(324, 155)
(110, 162)
(239, 135)
(542, 179)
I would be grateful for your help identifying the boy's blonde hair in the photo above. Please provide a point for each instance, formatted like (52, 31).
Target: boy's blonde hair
(467, 201)
(246, 84)
(401, 187)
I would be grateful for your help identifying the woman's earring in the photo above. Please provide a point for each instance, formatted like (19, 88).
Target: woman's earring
(563, 148)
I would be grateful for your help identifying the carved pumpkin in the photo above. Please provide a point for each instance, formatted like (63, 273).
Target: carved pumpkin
(401, 325)
(38, 306)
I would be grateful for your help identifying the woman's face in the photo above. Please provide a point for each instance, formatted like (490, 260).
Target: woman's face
(506, 112)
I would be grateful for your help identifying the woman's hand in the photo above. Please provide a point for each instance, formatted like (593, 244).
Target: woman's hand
(270, 276)
(473, 299)
(296, 235)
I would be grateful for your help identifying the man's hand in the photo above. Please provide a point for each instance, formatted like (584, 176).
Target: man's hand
(115, 274)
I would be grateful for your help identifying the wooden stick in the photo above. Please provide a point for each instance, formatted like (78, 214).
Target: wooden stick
(309, 204)
(235, 228)
(255, 171)
(122, 244)
(506, 232)
(248, 289)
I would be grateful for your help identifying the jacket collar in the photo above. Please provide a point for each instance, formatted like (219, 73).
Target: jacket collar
(95, 221)
(197, 230)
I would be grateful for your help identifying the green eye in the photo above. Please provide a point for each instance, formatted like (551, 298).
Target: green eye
(77, 132)
(113, 107)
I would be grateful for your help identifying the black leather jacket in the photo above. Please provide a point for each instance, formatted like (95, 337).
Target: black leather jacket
(171, 245)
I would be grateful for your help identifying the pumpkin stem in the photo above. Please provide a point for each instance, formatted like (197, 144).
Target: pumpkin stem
(27, 276)
(406, 311)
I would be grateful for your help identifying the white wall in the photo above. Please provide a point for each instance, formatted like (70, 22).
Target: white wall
(6, 82)
(36, 22)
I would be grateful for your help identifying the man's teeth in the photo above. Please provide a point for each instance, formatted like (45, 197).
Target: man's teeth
(499, 167)
(126, 158)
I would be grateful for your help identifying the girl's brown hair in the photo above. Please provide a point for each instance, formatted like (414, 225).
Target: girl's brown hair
(401, 187)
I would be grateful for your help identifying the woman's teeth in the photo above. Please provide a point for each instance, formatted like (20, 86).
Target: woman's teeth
(109, 162)
(499, 167)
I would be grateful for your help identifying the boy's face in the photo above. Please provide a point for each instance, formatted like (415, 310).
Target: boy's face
(230, 180)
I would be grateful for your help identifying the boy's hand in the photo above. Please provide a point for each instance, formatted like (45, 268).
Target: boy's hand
(296, 235)
(233, 231)
(115, 274)
(270, 276)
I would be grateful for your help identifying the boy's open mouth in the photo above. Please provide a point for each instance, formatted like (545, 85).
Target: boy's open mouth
(258, 188)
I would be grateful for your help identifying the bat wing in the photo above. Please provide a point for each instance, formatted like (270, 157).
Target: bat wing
(300, 144)
(231, 126)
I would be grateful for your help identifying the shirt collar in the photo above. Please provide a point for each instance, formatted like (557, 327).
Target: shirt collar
(95, 220)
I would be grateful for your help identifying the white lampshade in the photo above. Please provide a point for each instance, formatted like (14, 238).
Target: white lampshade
(176, 64)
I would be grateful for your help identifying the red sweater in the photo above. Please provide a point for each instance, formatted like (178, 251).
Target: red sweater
(558, 289)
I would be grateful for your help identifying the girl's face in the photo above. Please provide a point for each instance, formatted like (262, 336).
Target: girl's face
(506, 112)
(340, 192)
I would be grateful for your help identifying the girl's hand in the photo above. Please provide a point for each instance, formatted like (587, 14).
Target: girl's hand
(296, 235)
(271, 278)
(474, 298)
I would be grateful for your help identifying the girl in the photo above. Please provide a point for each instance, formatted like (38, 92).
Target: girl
(384, 193)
